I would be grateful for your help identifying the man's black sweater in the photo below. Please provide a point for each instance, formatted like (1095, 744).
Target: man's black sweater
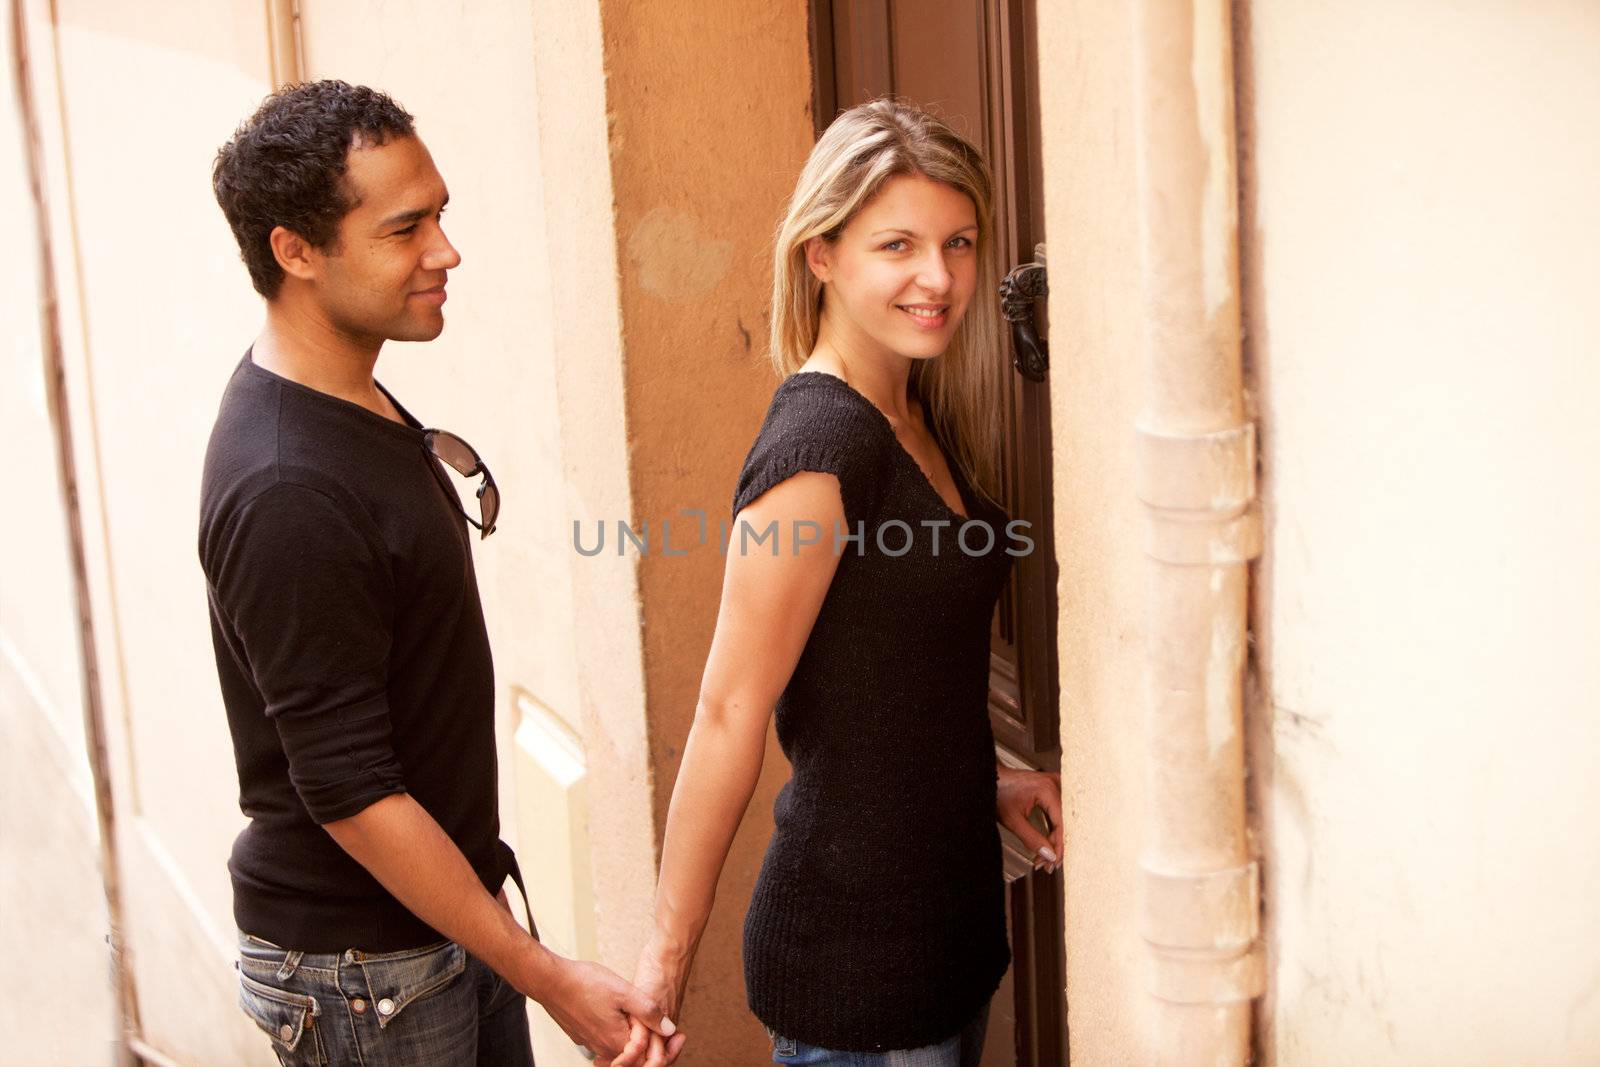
(878, 921)
(352, 653)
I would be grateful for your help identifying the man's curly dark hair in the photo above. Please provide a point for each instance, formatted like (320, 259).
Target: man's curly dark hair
(285, 167)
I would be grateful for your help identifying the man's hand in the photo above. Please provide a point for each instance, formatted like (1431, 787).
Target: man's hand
(598, 1010)
(1019, 793)
(404, 848)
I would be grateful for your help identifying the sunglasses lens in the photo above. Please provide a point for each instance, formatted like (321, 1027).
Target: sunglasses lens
(457, 454)
(489, 499)
(454, 451)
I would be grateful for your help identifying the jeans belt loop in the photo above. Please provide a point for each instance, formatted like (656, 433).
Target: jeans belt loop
(290, 963)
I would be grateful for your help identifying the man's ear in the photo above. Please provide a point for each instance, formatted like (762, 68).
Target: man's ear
(293, 253)
(818, 256)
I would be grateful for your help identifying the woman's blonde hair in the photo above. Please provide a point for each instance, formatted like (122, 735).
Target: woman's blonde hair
(859, 152)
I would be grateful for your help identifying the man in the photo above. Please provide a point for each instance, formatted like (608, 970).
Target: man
(349, 638)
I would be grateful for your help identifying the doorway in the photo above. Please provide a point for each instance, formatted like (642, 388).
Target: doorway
(975, 63)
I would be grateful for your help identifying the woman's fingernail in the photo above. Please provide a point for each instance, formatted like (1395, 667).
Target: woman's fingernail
(668, 1027)
(1047, 853)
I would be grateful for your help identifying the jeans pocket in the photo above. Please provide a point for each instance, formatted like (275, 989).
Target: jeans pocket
(289, 1019)
(398, 980)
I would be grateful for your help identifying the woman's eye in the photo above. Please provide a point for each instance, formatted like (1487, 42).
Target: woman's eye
(894, 246)
(960, 242)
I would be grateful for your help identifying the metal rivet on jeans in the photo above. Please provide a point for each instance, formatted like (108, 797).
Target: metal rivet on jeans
(286, 1031)
(385, 1006)
(358, 1006)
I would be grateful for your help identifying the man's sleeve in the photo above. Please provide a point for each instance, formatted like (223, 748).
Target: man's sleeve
(312, 605)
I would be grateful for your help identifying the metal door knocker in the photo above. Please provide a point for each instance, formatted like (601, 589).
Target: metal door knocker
(1026, 283)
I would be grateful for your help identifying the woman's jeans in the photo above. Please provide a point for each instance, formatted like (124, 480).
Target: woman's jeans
(435, 1006)
(962, 1050)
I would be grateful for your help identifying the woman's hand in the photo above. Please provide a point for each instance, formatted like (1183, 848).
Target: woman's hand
(1019, 793)
(662, 975)
(662, 981)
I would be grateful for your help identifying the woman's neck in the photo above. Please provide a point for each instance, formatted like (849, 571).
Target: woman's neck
(882, 377)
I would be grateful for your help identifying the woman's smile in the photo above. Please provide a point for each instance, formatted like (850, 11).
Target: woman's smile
(927, 316)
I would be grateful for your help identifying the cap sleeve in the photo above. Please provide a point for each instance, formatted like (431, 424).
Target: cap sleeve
(818, 423)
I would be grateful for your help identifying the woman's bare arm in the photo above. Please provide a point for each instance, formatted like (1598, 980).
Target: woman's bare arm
(769, 604)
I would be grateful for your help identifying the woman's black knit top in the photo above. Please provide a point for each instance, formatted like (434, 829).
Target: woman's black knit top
(878, 921)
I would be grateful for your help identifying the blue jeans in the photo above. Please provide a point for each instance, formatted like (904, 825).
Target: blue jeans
(964, 1049)
(433, 1006)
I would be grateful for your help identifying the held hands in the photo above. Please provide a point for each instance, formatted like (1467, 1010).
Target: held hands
(589, 986)
(659, 977)
(1019, 793)
(629, 1026)
(601, 1012)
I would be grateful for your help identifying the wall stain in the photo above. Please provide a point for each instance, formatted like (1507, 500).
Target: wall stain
(673, 258)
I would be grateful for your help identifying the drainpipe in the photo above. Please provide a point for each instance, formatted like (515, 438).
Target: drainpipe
(287, 55)
(1196, 478)
(127, 1004)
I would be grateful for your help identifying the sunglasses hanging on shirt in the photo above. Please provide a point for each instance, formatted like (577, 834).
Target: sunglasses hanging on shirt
(465, 461)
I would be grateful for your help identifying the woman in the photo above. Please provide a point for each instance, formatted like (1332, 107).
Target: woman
(877, 926)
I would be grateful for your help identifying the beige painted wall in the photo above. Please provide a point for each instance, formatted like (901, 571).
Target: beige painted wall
(52, 908)
(38, 624)
(1421, 235)
(157, 348)
(146, 316)
(1097, 309)
(1418, 228)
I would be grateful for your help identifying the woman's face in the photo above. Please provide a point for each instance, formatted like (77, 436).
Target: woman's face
(902, 272)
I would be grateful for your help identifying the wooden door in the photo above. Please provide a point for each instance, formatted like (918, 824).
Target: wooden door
(975, 63)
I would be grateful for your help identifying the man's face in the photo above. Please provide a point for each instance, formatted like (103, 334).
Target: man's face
(385, 278)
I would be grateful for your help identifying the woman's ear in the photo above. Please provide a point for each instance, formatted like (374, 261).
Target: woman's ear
(819, 255)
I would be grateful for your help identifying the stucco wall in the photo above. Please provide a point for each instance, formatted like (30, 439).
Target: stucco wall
(1420, 228)
(1097, 312)
(147, 326)
(52, 908)
(38, 625)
